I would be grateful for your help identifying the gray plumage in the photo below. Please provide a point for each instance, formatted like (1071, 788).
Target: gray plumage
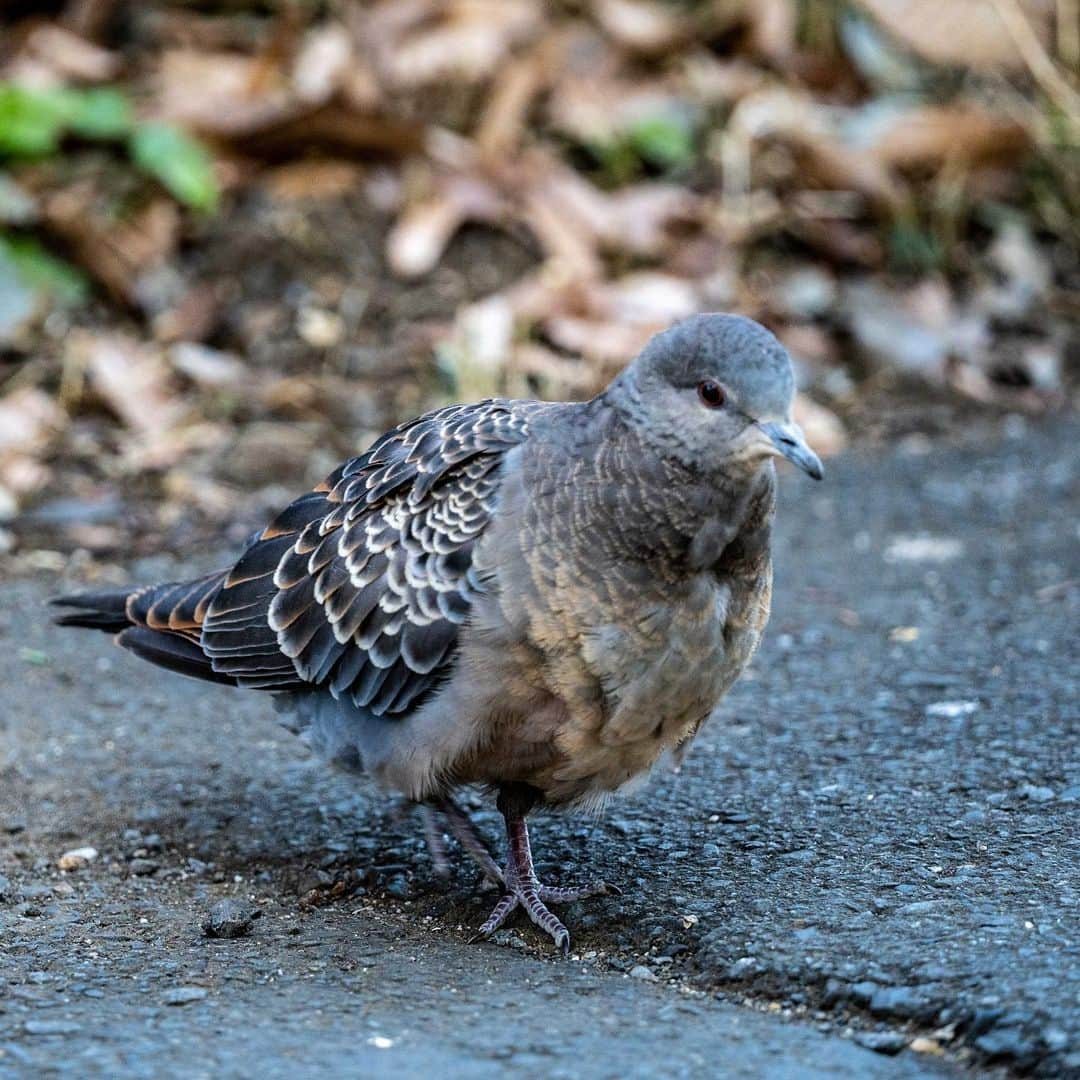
(538, 597)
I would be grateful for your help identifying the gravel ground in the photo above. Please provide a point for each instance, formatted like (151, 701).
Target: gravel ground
(867, 866)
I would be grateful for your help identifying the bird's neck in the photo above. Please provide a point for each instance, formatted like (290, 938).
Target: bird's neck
(658, 509)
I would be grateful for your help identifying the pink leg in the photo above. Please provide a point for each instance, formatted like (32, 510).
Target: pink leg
(523, 888)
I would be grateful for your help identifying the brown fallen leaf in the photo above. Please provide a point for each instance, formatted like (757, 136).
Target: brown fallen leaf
(29, 419)
(115, 250)
(642, 26)
(420, 235)
(312, 179)
(962, 33)
(29, 422)
(218, 93)
(130, 378)
(418, 42)
(322, 63)
(964, 134)
(70, 56)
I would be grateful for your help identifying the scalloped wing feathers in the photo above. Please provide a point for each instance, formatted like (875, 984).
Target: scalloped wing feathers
(362, 584)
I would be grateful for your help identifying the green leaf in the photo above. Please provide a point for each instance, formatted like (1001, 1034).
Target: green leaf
(913, 248)
(179, 162)
(100, 113)
(42, 271)
(31, 121)
(667, 141)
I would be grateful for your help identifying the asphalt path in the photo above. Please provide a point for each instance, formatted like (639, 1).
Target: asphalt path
(869, 865)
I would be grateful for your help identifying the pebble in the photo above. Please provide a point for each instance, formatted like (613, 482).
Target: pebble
(1035, 793)
(951, 710)
(901, 1001)
(230, 918)
(143, 867)
(184, 995)
(882, 1042)
(77, 858)
(51, 1027)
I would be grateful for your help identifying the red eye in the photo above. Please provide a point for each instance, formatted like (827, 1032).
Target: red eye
(711, 394)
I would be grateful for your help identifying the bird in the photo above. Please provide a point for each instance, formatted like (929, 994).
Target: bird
(534, 598)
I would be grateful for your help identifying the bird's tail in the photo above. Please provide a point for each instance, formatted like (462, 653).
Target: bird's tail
(160, 623)
(104, 610)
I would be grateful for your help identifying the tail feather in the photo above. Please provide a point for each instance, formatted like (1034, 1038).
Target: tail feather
(161, 623)
(106, 610)
(172, 651)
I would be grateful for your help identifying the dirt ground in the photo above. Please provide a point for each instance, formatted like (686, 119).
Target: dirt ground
(874, 848)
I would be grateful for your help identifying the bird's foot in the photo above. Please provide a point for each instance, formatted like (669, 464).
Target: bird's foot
(533, 898)
(524, 890)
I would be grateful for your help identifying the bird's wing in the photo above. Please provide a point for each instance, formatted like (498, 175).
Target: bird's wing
(362, 584)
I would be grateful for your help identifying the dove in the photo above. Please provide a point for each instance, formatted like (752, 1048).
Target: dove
(536, 598)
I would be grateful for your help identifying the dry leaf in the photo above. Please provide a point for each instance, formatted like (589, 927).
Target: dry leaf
(131, 378)
(461, 39)
(420, 235)
(115, 250)
(221, 93)
(29, 419)
(641, 26)
(966, 134)
(322, 63)
(961, 33)
(69, 55)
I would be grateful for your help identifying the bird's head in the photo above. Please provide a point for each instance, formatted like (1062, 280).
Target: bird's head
(715, 391)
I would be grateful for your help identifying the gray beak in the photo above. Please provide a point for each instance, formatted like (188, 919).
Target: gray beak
(789, 441)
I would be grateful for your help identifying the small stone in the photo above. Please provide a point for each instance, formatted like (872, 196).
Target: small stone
(143, 867)
(640, 971)
(882, 1042)
(13, 825)
(1005, 1043)
(77, 858)
(923, 1045)
(398, 888)
(900, 1001)
(51, 1027)
(184, 995)
(862, 993)
(320, 328)
(1036, 794)
(230, 918)
(951, 710)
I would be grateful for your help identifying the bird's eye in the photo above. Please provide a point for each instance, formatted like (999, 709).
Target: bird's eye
(711, 394)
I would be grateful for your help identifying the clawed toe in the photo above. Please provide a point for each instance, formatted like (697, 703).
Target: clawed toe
(518, 883)
(528, 898)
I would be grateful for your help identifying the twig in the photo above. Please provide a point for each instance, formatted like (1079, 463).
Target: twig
(1068, 33)
(1042, 67)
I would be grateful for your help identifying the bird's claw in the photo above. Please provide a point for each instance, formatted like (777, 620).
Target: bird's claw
(533, 898)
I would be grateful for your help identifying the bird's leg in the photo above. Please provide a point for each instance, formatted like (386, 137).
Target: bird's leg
(445, 811)
(464, 832)
(433, 835)
(522, 885)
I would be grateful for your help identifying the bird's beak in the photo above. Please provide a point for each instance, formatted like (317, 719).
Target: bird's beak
(787, 437)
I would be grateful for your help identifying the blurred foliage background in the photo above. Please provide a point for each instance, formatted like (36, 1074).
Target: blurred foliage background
(238, 239)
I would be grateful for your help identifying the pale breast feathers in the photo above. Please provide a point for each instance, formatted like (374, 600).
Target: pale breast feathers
(362, 584)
